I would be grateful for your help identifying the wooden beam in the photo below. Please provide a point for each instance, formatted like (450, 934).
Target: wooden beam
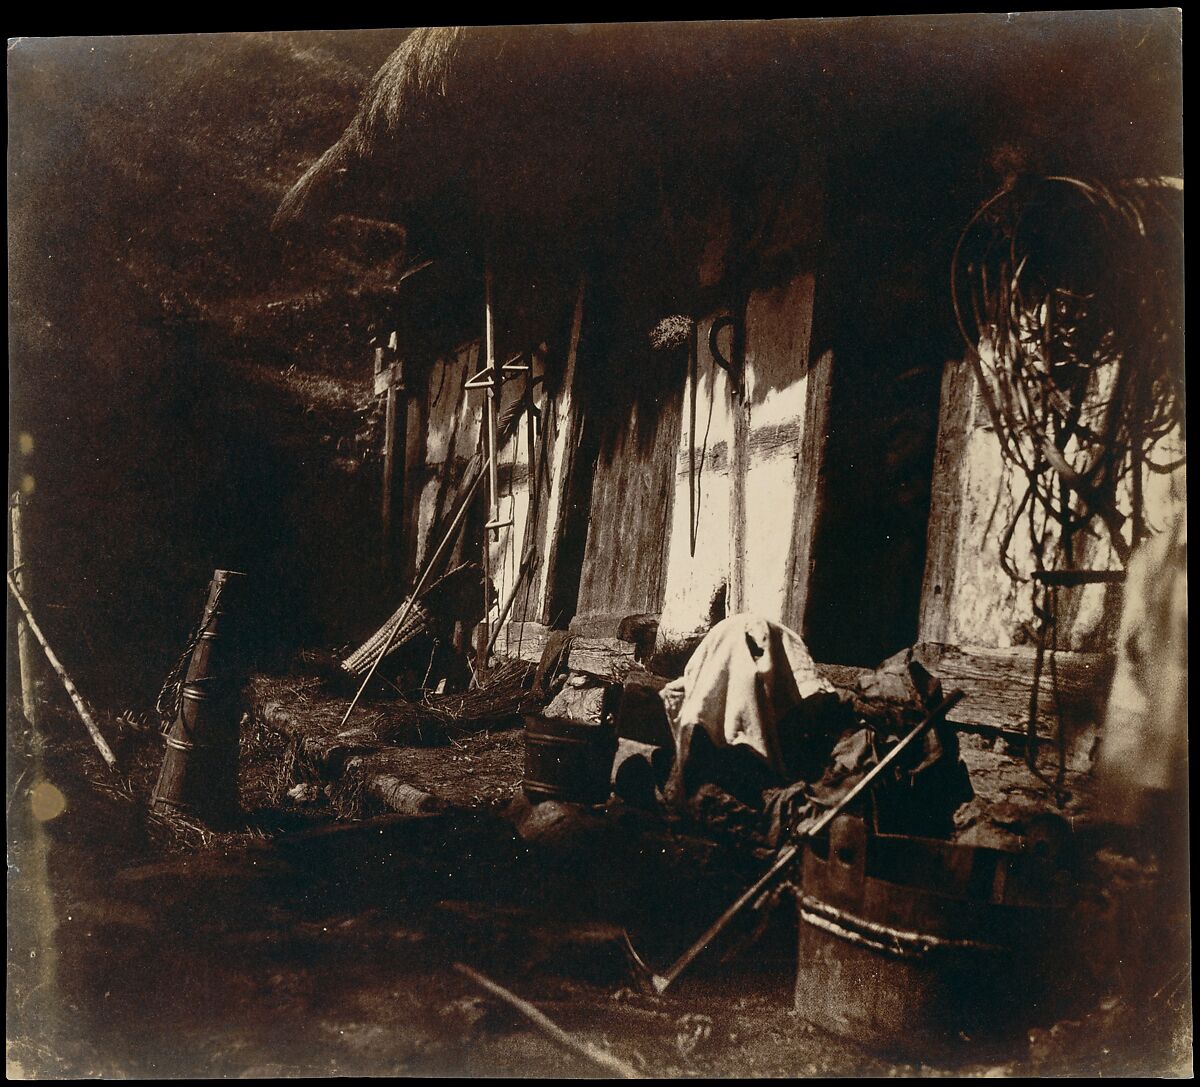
(564, 415)
(414, 472)
(388, 378)
(739, 463)
(997, 682)
(810, 490)
(955, 419)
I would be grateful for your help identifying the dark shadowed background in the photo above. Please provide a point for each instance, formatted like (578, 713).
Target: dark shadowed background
(189, 390)
(153, 424)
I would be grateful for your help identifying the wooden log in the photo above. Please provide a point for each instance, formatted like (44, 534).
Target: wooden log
(999, 682)
(27, 656)
(547, 1026)
(72, 692)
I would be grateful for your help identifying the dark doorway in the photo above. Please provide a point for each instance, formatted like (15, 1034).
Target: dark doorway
(882, 307)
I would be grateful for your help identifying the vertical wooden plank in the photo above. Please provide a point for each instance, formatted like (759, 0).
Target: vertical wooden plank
(413, 475)
(955, 419)
(810, 488)
(389, 475)
(739, 407)
(564, 415)
(493, 455)
(539, 441)
(778, 335)
(629, 530)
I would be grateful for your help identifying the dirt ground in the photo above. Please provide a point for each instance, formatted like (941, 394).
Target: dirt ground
(304, 945)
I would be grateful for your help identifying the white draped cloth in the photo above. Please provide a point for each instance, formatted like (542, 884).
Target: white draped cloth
(740, 682)
(1144, 747)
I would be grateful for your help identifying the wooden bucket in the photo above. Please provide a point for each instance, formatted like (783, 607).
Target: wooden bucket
(568, 760)
(199, 775)
(915, 946)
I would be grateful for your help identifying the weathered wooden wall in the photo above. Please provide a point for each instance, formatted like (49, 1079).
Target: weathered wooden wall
(698, 548)
(451, 437)
(782, 431)
(967, 598)
(631, 505)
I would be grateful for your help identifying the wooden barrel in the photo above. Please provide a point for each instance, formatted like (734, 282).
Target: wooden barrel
(199, 775)
(568, 760)
(911, 945)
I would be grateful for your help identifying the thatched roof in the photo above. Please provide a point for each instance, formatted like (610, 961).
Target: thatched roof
(513, 117)
(560, 124)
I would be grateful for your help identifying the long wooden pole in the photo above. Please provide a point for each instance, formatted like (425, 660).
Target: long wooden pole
(389, 462)
(547, 1026)
(493, 394)
(522, 572)
(451, 532)
(489, 412)
(25, 652)
(662, 982)
(76, 698)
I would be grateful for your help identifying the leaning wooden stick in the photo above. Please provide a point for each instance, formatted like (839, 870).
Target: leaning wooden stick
(662, 982)
(26, 654)
(522, 571)
(451, 532)
(76, 698)
(607, 1061)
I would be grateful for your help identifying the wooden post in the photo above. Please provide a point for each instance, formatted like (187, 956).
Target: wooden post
(26, 653)
(389, 382)
(810, 490)
(739, 406)
(950, 470)
(489, 418)
(563, 417)
(389, 471)
(416, 429)
(493, 396)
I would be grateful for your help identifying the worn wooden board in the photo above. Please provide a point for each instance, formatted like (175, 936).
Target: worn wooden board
(632, 492)
(997, 682)
(942, 541)
(809, 491)
(563, 417)
(606, 657)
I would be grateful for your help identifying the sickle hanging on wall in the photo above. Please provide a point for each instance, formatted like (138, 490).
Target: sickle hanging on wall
(720, 324)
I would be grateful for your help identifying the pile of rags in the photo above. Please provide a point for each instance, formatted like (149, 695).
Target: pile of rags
(764, 745)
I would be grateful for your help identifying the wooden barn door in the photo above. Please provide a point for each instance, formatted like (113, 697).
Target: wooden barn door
(633, 413)
(633, 485)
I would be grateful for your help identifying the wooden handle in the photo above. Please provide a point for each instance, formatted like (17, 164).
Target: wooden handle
(787, 855)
